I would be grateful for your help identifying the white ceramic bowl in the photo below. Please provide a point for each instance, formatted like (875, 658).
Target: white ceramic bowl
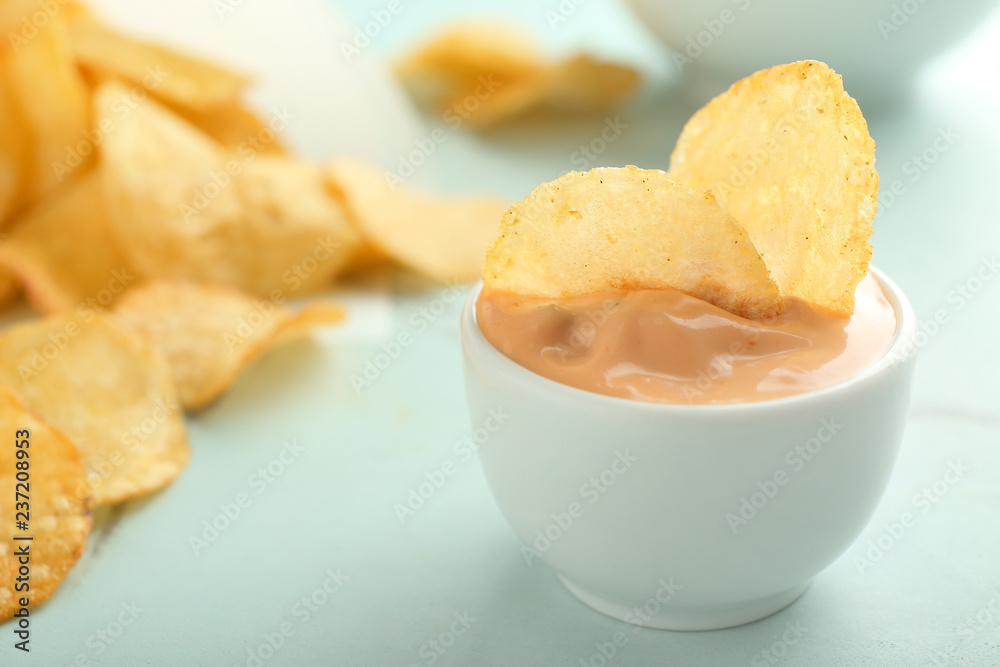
(687, 517)
(876, 46)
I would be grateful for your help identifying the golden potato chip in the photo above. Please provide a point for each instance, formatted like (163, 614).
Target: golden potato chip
(465, 51)
(8, 286)
(209, 334)
(490, 102)
(787, 153)
(165, 73)
(627, 228)
(43, 482)
(479, 74)
(108, 390)
(442, 237)
(62, 253)
(232, 125)
(52, 97)
(482, 74)
(584, 83)
(182, 207)
(14, 147)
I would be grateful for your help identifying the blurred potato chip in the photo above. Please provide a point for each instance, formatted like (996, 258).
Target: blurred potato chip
(209, 334)
(14, 146)
(61, 251)
(106, 389)
(8, 286)
(165, 73)
(52, 97)
(59, 515)
(486, 73)
(581, 82)
(627, 228)
(787, 153)
(182, 207)
(465, 51)
(232, 125)
(444, 238)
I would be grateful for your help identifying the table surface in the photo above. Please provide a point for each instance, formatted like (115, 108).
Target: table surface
(318, 569)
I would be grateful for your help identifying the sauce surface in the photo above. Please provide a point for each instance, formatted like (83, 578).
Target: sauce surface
(665, 346)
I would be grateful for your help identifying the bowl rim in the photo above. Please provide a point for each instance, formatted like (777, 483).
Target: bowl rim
(900, 352)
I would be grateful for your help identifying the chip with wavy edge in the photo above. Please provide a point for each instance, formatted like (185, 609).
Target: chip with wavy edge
(108, 390)
(443, 237)
(180, 206)
(59, 515)
(210, 333)
(627, 228)
(787, 153)
(42, 252)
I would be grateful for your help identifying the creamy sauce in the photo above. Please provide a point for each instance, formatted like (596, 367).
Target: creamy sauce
(668, 347)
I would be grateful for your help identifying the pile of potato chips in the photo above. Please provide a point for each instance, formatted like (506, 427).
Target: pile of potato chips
(484, 74)
(160, 228)
(771, 193)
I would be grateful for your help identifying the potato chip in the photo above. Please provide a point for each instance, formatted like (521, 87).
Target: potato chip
(8, 286)
(165, 73)
(627, 228)
(52, 97)
(465, 51)
(182, 207)
(14, 147)
(56, 505)
(209, 334)
(108, 391)
(62, 253)
(442, 237)
(787, 153)
(583, 83)
(483, 74)
(232, 125)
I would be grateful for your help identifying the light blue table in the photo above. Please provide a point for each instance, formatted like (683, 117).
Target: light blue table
(319, 568)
